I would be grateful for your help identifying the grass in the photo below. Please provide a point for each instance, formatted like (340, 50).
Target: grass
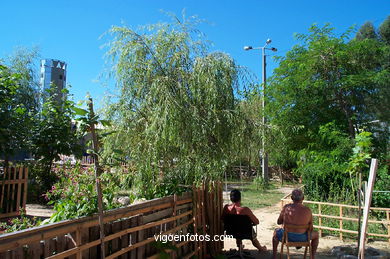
(254, 197)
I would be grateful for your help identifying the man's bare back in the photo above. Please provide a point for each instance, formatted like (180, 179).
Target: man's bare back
(296, 214)
(235, 208)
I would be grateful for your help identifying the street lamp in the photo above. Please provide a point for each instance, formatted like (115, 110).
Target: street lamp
(264, 157)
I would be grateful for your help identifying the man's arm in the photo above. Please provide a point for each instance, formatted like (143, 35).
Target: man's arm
(311, 220)
(281, 216)
(252, 216)
(224, 211)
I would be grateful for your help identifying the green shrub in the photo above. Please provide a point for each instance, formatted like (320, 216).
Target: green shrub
(75, 193)
(19, 223)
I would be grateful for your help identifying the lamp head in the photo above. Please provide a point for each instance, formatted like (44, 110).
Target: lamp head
(274, 49)
(268, 41)
(248, 47)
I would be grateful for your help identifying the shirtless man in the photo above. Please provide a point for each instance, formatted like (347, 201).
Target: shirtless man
(235, 208)
(295, 214)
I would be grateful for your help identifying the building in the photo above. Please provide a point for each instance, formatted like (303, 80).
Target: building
(53, 72)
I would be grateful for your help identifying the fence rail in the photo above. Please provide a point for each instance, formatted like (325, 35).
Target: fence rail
(129, 231)
(13, 190)
(320, 215)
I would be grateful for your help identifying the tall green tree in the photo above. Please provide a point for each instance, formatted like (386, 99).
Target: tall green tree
(384, 30)
(53, 133)
(19, 101)
(328, 78)
(367, 31)
(11, 113)
(175, 111)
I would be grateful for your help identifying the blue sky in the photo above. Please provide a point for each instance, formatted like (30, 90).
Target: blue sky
(70, 30)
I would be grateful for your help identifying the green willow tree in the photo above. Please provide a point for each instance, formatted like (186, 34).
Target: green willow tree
(175, 113)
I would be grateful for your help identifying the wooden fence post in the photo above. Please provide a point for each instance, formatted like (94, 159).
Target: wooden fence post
(174, 253)
(388, 224)
(367, 204)
(341, 223)
(320, 219)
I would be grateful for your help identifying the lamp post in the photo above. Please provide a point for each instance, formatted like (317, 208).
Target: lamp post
(264, 154)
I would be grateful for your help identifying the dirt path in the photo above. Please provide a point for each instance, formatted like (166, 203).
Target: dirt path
(265, 229)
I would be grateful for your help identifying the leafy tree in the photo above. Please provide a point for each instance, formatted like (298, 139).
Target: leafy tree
(19, 102)
(367, 31)
(327, 79)
(53, 135)
(14, 118)
(384, 30)
(247, 134)
(323, 165)
(175, 114)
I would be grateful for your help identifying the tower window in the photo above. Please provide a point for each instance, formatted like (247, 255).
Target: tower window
(61, 77)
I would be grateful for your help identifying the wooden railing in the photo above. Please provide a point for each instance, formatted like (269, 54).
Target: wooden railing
(129, 232)
(13, 190)
(320, 215)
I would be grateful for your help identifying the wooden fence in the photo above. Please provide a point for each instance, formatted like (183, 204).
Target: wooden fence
(342, 218)
(129, 231)
(13, 190)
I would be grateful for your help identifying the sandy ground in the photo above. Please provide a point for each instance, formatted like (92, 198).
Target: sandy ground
(265, 229)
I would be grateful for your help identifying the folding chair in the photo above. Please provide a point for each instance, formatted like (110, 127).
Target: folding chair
(290, 228)
(240, 227)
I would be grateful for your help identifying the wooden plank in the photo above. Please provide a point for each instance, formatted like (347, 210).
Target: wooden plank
(195, 214)
(140, 239)
(174, 205)
(92, 220)
(367, 204)
(93, 236)
(13, 181)
(19, 193)
(133, 238)
(71, 245)
(141, 244)
(111, 215)
(158, 215)
(351, 219)
(221, 243)
(107, 243)
(2, 183)
(46, 248)
(203, 208)
(18, 253)
(388, 224)
(141, 227)
(341, 223)
(25, 188)
(84, 235)
(320, 219)
(34, 251)
(61, 243)
(7, 241)
(7, 193)
(72, 251)
(116, 227)
(125, 224)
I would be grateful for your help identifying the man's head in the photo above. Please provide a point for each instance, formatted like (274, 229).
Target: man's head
(235, 196)
(297, 195)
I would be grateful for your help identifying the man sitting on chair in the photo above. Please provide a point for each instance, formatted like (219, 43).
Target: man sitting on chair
(235, 208)
(295, 214)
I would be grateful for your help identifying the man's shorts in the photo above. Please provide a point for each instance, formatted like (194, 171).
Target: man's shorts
(292, 237)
